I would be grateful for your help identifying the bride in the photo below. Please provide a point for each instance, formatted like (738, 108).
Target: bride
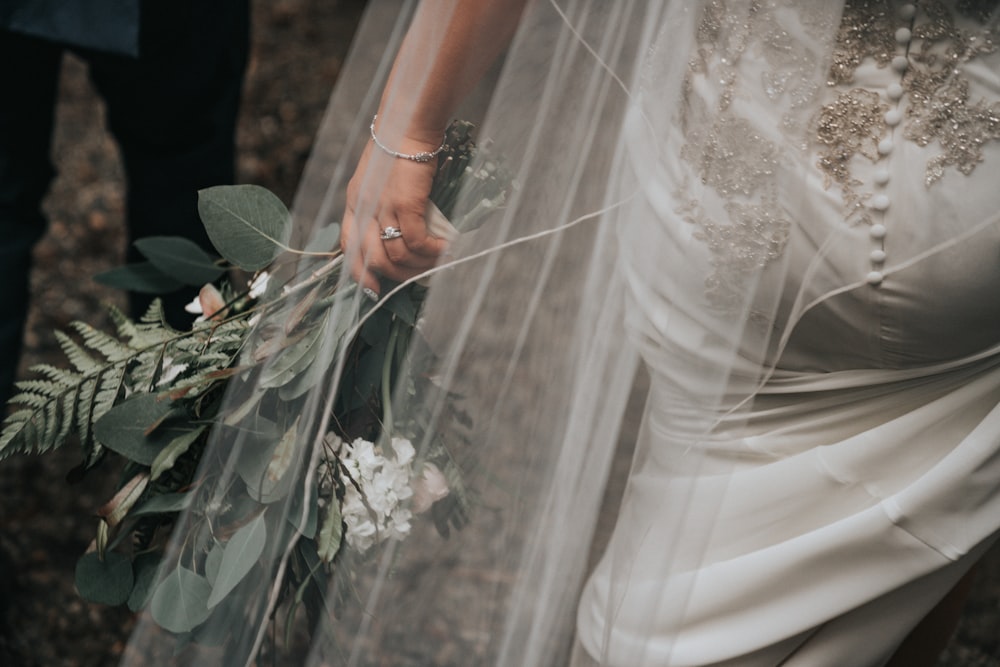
(788, 212)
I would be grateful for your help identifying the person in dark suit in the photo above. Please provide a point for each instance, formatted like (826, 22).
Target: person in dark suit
(170, 73)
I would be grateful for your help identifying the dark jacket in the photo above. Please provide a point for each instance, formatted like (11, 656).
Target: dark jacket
(104, 25)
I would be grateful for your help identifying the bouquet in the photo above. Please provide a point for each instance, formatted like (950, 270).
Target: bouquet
(148, 398)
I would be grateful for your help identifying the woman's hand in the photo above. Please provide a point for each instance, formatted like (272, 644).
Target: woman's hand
(389, 192)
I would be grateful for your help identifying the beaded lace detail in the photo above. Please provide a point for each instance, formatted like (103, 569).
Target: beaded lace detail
(746, 230)
(731, 157)
(851, 125)
(940, 106)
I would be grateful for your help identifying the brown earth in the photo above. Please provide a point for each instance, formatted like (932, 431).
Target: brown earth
(45, 523)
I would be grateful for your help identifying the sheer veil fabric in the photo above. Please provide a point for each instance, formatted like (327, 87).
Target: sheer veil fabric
(816, 438)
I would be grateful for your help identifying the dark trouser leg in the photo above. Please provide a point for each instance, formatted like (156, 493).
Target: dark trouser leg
(173, 112)
(29, 71)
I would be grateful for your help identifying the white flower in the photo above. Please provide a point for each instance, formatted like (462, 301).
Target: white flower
(194, 307)
(404, 451)
(375, 513)
(430, 487)
(259, 285)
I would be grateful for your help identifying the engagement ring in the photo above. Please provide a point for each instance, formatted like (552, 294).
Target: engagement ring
(390, 233)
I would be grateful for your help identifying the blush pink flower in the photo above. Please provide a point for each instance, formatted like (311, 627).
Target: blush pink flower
(429, 488)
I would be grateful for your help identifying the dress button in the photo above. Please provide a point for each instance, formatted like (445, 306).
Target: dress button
(880, 202)
(877, 256)
(875, 278)
(907, 11)
(885, 146)
(894, 91)
(877, 232)
(882, 177)
(900, 63)
(903, 36)
(893, 117)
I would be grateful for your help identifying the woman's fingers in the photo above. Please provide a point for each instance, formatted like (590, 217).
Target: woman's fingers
(384, 232)
(372, 257)
(418, 242)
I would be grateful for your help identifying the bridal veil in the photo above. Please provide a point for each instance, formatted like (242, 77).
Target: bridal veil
(647, 217)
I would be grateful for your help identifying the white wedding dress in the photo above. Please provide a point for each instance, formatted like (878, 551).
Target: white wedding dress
(853, 484)
(797, 202)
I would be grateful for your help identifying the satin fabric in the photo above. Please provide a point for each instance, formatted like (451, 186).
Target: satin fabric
(855, 480)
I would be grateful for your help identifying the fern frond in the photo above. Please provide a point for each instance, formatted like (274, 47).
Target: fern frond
(60, 376)
(77, 356)
(84, 409)
(108, 346)
(151, 330)
(44, 388)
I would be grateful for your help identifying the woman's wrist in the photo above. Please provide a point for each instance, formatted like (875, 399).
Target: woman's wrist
(414, 145)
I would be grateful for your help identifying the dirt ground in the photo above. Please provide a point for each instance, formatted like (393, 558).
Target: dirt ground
(45, 524)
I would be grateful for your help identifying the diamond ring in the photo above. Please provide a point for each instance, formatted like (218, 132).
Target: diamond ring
(390, 233)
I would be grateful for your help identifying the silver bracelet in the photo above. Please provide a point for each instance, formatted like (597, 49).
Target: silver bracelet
(423, 156)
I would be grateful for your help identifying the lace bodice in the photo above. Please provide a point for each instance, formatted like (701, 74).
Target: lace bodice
(859, 191)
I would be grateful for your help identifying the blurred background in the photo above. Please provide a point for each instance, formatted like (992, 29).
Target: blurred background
(46, 524)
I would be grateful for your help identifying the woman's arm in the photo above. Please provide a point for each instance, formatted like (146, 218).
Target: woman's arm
(412, 118)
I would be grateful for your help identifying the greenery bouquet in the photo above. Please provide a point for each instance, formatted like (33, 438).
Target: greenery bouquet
(149, 398)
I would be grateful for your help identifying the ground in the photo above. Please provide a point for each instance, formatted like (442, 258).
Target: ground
(45, 523)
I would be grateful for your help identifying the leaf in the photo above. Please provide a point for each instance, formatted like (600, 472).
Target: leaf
(108, 581)
(304, 519)
(239, 557)
(145, 425)
(335, 328)
(213, 561)
(286, 363)
(331, 534)
(180, 258)
(402, 306)
(180, 602)
(141, 277)
(164, 504)
(247, 224)
(264, 469)
(115, 509)
(123, 428)
(146, 567)
(168, 455)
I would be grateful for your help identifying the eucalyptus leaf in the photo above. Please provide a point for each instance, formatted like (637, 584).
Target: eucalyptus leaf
(180, 258)
(180, 602)
(146, 567)
(247, 224)
(331, 534)
(124, 428)
(177, 447)
(402, 306)
(335, 328)
(286, 363)
(304, 520)
(267, 479)
(240, 555)
(213, 561)
(141, 277)
(105, 581)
